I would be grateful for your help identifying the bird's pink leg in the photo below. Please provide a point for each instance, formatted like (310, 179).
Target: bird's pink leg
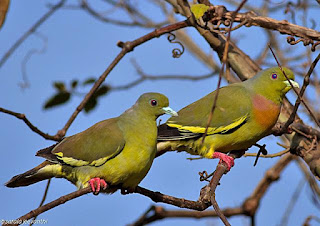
(96, 183)
(224, 158)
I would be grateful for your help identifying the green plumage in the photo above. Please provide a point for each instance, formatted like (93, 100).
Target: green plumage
(119, 150)
(244, 113)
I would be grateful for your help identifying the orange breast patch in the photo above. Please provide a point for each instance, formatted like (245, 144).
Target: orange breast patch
(265, 111)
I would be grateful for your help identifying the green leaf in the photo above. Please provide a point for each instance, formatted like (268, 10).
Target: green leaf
(89, 81)
(90, 105)
(199, 9)
(74, 83)
(58, 99)
(60, 86)
(103, 90)
(93, 101)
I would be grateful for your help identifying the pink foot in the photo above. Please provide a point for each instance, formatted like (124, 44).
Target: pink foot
(224, 158)
(96, 183)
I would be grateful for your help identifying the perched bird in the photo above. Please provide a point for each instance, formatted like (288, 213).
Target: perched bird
(245, 112)
(116, 151)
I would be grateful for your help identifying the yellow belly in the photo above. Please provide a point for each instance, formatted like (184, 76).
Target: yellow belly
(128, 169)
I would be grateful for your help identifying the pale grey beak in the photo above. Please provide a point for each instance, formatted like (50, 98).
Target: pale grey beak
(169, 111)
(294, 83)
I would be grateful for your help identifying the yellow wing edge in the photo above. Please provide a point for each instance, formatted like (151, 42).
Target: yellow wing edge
(78, 162)
(211, 130)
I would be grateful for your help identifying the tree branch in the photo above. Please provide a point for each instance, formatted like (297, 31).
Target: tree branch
(278, 154)
(303, 88)
(92, 12)
(50, 205)
(33, 28)
(248, 208)
(126, 48)
(155, 213)
(29, 124)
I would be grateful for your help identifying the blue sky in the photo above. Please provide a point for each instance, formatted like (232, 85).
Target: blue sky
(78, 47)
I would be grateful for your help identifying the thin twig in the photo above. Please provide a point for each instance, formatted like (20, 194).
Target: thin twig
(278, 154)
(221, 168)
(282, 26)
(250, 205)
(309, 218)
(43, 199)
(248, 208)
(50, 205)
(155, 213)
(126, 48)
(33, 28)
(29, 124)
(313, 184)
(99, 16)
(294, 89)
(293, 201)
(224, 61)
(302, 90)
(25, 81)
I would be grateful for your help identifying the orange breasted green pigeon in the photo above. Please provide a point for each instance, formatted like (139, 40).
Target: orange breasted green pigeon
(245, 112)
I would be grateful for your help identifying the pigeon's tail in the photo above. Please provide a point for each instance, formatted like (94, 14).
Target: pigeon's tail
(41, 172)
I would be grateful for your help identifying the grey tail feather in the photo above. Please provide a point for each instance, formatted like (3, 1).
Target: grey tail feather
(29, 177)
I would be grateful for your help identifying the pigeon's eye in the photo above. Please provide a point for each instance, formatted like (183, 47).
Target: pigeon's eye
(153, 102)
(274, 76)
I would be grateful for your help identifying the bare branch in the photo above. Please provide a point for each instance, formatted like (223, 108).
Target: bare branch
(252, 203)
(302, 90)
(50, 205)
(155, 213)
(224, 61)
(278, 154)
(293, 201)
(33, 28)
(311, 180)
(126, 48)
(248, 208)
(308, 219)
(282, 26)
(306, 82)
(29, 124)
(43, 199)
(91, 11)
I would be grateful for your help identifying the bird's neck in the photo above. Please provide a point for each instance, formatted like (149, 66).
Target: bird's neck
(135, 113)
(258, 88)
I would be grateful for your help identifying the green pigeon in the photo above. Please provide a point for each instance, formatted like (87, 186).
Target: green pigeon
(245, 112)
(114, 152)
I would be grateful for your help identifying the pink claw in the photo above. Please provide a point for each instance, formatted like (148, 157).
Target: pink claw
(97, 182)
(224, 158)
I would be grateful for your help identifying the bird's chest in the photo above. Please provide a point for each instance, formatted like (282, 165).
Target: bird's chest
(265, 112)
(142, 147)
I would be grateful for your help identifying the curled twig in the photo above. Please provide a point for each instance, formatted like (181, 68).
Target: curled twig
(204, 176)
(176, 53)
(292, 41)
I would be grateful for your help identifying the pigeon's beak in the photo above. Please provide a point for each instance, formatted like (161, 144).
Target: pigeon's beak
(294, 83)
(169, 111)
